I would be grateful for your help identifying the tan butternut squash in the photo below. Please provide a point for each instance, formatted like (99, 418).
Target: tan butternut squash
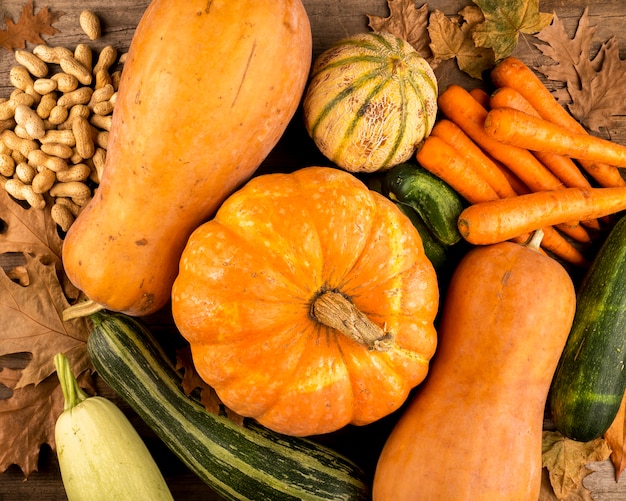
(207, 90)
(473, 431)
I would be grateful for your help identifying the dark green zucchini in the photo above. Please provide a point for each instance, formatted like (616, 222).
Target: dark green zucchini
(437, 204)
(238, 462)
(590, 379)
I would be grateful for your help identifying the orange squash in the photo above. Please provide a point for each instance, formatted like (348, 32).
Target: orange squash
(308, 302)
(207, 90)
(473, 430)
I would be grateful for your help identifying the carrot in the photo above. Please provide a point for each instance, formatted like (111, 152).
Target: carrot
(499, 220)
(454, 166)
(444, 161)
(481, 96)
(462, 109)
(522, 130)
(575, 230)
(483, 164)
(572, 229)
(561, 166)
(554, 242)
(508, 97)
(511, 72)
(515, 182)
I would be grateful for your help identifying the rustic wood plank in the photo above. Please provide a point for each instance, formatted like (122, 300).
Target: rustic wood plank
(601, 482)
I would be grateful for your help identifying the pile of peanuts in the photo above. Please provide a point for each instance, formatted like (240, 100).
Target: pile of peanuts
(54, 126)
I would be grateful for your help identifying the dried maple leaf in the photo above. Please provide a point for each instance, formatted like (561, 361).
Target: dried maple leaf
(615, 436)
(27, 230)
(600, 95)
(29, 27)
(32, 323)
(581, 493)
(504, 21)
(565, 52)
(27, 421)
(405, 21)
(565, 460)
(32, 299)
(594, 92)
(452, 38)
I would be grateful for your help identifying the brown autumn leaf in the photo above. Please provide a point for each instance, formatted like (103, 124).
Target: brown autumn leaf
(33, 332)
(27, 230)
(32, 298)
(27, 421)
(29, 27)
(565, 52)
(452, 38)
(405, 21)
(599, 97)
(565, 460)
(593, 90)
(616, 438)
(581, 493)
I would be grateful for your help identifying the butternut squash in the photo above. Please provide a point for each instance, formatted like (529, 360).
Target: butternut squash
(473, 431)
(207, 90)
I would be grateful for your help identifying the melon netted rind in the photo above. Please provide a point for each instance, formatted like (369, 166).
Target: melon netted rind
(371, 99)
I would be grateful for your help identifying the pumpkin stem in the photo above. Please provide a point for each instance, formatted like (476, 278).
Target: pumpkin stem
(535, 240)
(335, 310)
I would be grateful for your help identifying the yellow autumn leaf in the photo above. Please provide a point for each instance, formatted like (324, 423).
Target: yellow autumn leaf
(565, 460)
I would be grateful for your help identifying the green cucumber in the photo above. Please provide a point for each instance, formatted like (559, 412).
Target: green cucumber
(590, 380)
(435, 251)
(238, 462)
(437, 204)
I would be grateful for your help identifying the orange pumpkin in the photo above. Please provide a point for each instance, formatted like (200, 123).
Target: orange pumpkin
(308, 302)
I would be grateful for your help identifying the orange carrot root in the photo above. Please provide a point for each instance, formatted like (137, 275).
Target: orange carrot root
(555, 243)
(443, 160)
(482, 164)
(562, 167)
(499, 220)
(459, 106)
(481, 96)
(575, 231)
(522, 130)
(507, 97)
(513, 73)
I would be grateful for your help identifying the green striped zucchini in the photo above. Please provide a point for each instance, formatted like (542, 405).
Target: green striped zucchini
(238, 462)
(590, 379)
(370, 100)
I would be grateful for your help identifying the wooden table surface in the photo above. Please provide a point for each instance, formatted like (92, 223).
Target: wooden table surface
(330, 20)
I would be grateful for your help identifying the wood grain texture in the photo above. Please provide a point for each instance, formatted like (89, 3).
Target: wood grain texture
(330, 20)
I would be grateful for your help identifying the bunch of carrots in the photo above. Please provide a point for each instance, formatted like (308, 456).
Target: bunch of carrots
(524, 163)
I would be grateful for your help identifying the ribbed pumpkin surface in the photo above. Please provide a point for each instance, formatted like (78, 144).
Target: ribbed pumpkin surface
(370, 100)
(248, 294)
